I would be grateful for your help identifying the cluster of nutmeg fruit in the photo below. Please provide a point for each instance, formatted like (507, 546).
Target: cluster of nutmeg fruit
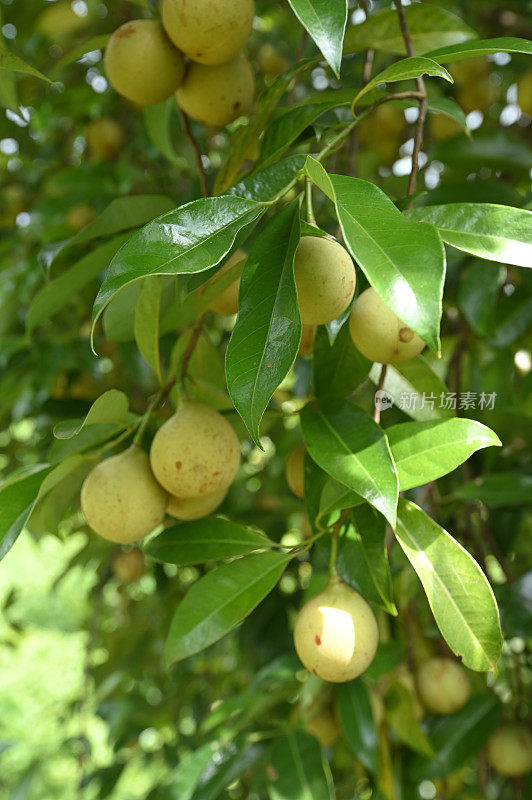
(194, 51)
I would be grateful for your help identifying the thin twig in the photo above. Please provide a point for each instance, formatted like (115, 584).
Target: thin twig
(189, 351)
(382, 378)
(197, 153)
(420, 125)
(334, 541)
(370, 54)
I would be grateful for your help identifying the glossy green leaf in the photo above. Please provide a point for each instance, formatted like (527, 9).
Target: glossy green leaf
(403, 720)
(446, 106)
(298, 770)
(221, 599)
(425, 451)
(403, 260)
(429, 27)
(17, 499)
(458, 592)
(12, 63)
(345, 442)
(118, 319)
(357, 721)
(269, 183)
(337, 370)
(87, 438)
(146, 323)
(325, 21)
(210, 539)
(288, 125)
(456, 738)
(406, 69)
(480, 47)
(265, 339)
(190, 239)
(417, 390)
(58, 293)
(494, 232)
(506, 489)
(363, 558)
(110, 407)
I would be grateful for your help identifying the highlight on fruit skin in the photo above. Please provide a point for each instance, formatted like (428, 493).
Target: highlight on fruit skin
(510, 750)
(196, 452)
(195, 507)
(336, 634)
(443, 685)
(295, 470)
(120, 498)
(378, 332)
(217, 95)
(325, 279)
(208, 31)
(142, 64)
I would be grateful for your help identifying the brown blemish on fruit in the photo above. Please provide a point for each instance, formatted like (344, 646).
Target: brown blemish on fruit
(317, 640)
(125, 31)
(406, 335)
(179, 464)
(236, 105)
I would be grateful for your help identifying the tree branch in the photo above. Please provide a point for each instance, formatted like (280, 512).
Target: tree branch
(197, 153)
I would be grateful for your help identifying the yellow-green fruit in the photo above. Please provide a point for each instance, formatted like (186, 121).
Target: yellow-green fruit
(524, 93)
(477, 96)
(195, 508)
(120, 498)
(217, 95)
(79, 216)
(325, 279)
(469, 70)
(378, 332)
(209, 31)
(443, 685)
(142, 64)
(227, 301)
(443, 127)
(129, 566)
(383, 130)
(59, 20)
(295, 470)
(306, 345)
(105, 137)
(271, 62)
(195, 453)
(323, 726)
(510, 750)
(336, 634)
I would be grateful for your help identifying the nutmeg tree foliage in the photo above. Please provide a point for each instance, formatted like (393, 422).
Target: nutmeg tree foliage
(265, 397)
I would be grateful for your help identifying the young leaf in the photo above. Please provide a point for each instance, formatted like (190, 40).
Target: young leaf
(404, 261)
(494, 232)
(425, 451)
(429, 27)
(190, 239)
(146, 325)
(325, 20)
(110, 407)
(337, 370)
(17, 498)
(363, 559)
(403, 720)
(216, 603)
(357, 721)
(480, 47)
(406, 69)
(265, 339)
(458, 592)
(210, 539)
(345, 442)
(298, 771)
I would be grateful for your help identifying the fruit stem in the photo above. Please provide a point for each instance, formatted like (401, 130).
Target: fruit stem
(161, 394)
(382, 378)
(189, 351)
(333, 572)
(311, 219)
(197, 153)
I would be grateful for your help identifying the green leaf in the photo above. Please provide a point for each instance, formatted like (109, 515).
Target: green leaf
(404, 261)
(495, 149)
(288, 125)
(403, 720)
(429, 27)
(265, 339)
(161, 121)
(337, 370)
(8, 90)
(493, 232)
(357, 721)
(220, 600)
(425, 451)
(456, 738)
(480, 47)
(61, 291)
(298, 770)
(325, 21)
(406, 69)
(190, 239)
(363, 559)
(187, 774)
(118, 317)
(210, 539)
(269, 183)
(459, 595)
(146, 326)
(12, 63)
(18, 496)
(345, 442)
(110, 407)
(88, 46)
(416, 389)
(498, 490)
